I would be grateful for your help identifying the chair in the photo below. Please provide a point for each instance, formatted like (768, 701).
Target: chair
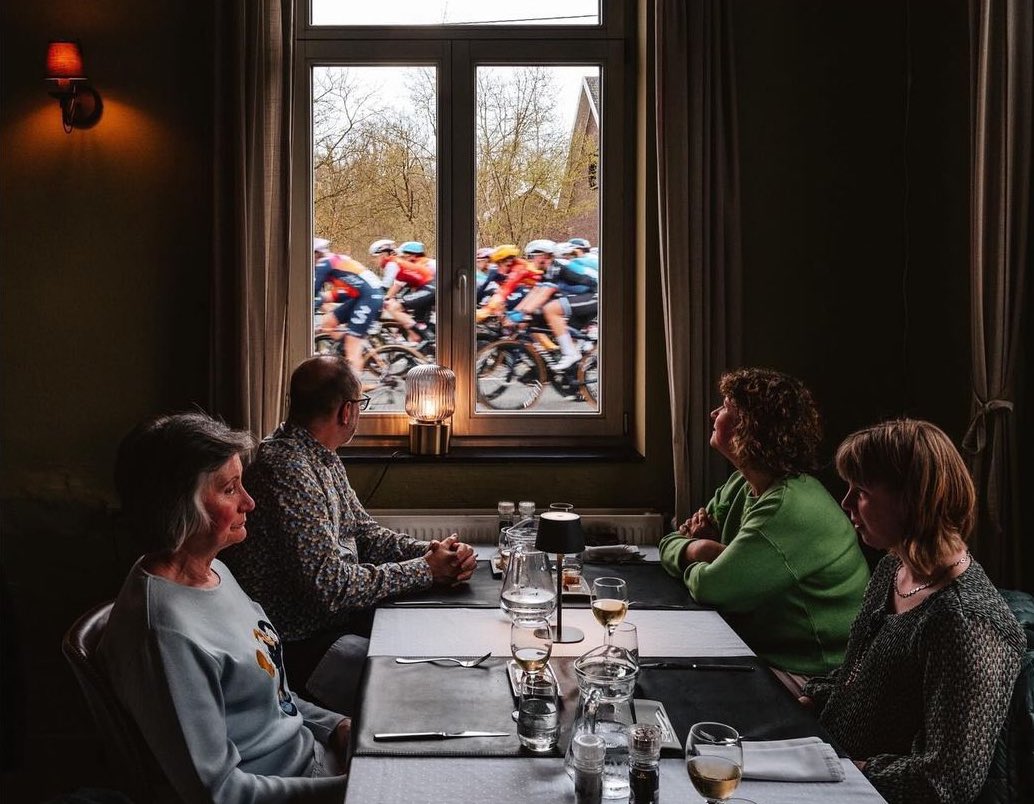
(1011, 775)
(136, 770)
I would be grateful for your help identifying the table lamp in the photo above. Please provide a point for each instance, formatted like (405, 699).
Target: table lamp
(560, 532)
(430, 400)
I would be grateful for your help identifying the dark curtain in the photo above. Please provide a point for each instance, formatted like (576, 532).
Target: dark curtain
(699, 223)
(1001, 79)
(254, 66)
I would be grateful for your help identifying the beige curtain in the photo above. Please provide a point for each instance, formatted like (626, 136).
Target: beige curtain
(254, 64)
(699, 227)
(1001, 79)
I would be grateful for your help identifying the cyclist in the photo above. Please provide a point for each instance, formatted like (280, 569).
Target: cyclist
(482, 263)
(354, 296)
(514, 278)
(383, 253)
(569, 291)
(410, 300)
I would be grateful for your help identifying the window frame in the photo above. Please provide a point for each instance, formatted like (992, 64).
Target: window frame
(456, 52)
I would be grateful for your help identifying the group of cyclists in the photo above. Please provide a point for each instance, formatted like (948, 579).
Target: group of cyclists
(557, 283)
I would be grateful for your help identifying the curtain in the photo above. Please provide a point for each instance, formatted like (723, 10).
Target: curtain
(699, 227)
(253, 136)
(1001, 78)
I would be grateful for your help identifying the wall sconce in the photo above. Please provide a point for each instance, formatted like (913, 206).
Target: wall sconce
(81, 106)
(430, 400)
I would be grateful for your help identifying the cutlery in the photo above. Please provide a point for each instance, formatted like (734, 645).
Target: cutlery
(737, 668)
(434, 735)
(460, 662)
(418, 602)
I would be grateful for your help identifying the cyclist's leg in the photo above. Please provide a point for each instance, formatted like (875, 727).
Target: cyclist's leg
(535, 300)
(365, 310)
(556, 314)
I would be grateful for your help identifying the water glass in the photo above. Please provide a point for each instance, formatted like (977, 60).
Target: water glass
(626, 636)
(538, 713)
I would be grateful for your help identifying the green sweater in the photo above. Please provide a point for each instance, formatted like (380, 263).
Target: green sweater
(791, 578)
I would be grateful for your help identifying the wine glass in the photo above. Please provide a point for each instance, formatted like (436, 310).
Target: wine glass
(714, 760)
(531, 643)
(609, 602)
(626, 636)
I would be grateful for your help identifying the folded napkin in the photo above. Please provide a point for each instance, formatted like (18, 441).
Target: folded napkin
(802, 759)
(612, 553)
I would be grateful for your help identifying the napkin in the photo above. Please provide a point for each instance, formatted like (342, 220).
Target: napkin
(802, 759)
(612, 553)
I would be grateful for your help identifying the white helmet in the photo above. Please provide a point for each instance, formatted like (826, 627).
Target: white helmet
(540, 247)
(381, 247)
(565, 248)
(320, 244)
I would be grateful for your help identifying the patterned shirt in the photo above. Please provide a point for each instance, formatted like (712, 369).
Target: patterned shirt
(923, 694)
(313, 555)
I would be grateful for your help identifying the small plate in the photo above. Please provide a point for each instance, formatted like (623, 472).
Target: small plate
(580, 590)
(647, 711)
(496, 564)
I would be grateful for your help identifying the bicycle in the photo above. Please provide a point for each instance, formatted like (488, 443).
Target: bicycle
(512, 370)
(384, 370)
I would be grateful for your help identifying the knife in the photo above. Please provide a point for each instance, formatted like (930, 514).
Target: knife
(434, 735)
(738, 668)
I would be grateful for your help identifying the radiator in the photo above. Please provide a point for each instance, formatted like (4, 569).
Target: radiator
(479, 526)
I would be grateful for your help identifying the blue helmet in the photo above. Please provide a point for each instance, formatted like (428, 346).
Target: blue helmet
(414, 247)
(581, 242)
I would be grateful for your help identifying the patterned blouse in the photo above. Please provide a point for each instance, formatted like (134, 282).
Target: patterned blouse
(922, 695)
(313, 555)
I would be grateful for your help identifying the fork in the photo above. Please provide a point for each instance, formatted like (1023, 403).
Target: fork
(460, 662)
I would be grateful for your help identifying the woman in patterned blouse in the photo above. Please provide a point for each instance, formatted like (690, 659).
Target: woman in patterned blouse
(934, 653)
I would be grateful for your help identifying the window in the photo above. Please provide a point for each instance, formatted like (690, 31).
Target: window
(464, 177)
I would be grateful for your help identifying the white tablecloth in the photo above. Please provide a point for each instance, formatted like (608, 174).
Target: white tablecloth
(409, 780)
(472, 632)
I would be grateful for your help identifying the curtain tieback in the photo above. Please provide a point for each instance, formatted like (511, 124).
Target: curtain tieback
(976, 436)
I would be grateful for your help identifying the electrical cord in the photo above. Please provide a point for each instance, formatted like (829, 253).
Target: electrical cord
(384, 471)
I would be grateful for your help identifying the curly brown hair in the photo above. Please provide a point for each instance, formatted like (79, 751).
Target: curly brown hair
(779, 429)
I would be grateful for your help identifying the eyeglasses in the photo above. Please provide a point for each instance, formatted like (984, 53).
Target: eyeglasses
(363, 402)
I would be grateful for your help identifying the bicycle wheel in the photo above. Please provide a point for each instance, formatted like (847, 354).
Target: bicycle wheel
(510, 375)
(326, 345)
(384, 376)
(589, 378)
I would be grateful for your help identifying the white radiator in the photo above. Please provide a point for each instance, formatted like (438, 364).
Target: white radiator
(479, 526)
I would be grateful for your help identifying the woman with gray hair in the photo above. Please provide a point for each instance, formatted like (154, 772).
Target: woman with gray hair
(196, 661)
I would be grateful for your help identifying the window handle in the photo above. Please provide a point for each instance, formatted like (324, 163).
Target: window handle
(463, 291)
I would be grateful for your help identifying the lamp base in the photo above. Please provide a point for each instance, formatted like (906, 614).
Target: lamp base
(567, 635)
(429, 438)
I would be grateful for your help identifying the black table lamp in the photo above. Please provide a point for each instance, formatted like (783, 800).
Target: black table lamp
(560, 532)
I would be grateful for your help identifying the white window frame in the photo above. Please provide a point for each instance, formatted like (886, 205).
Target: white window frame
(456, 52)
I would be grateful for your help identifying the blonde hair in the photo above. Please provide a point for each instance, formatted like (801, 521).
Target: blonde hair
(918, 462)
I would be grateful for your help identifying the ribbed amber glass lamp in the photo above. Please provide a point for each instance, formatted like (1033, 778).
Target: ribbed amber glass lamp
(430, 400)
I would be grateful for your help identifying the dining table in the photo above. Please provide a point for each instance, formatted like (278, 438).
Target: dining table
(690, 659)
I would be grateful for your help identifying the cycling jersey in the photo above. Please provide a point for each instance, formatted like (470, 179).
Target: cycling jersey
(519, 278)
(578, 276)
(416, 272)
(347, 278)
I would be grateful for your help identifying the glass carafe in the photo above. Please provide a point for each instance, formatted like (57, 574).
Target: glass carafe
(528, 592)
(606, 682)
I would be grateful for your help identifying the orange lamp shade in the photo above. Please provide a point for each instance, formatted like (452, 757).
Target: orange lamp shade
(65, 61)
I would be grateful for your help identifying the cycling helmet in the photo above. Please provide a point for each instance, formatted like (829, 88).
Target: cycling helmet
(565, 248)
(540, 247)
(413, 247)
(484, 254)
(320, 244)
(580, 242)
(381, 247)
(505, 252)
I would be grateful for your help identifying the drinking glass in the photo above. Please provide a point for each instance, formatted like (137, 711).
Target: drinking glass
(714, 760)
(626, 636)
(538, 713)
(609, 603)
(531, 643)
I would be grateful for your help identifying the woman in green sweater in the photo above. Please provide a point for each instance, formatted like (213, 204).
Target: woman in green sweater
(772, 550)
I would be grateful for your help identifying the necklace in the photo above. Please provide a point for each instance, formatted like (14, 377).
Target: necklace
(967, 558)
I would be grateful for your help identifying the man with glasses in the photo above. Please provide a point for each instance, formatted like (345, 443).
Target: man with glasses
(314, 558)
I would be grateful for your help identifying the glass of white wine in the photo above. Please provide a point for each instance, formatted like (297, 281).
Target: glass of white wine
(609, 603)
(531, 643)
(714, 760)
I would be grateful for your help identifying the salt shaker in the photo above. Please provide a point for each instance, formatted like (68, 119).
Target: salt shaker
(644, 770)
(588, 751)
(506, 521)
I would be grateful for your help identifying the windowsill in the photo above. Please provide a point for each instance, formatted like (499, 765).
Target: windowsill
(461, 455)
